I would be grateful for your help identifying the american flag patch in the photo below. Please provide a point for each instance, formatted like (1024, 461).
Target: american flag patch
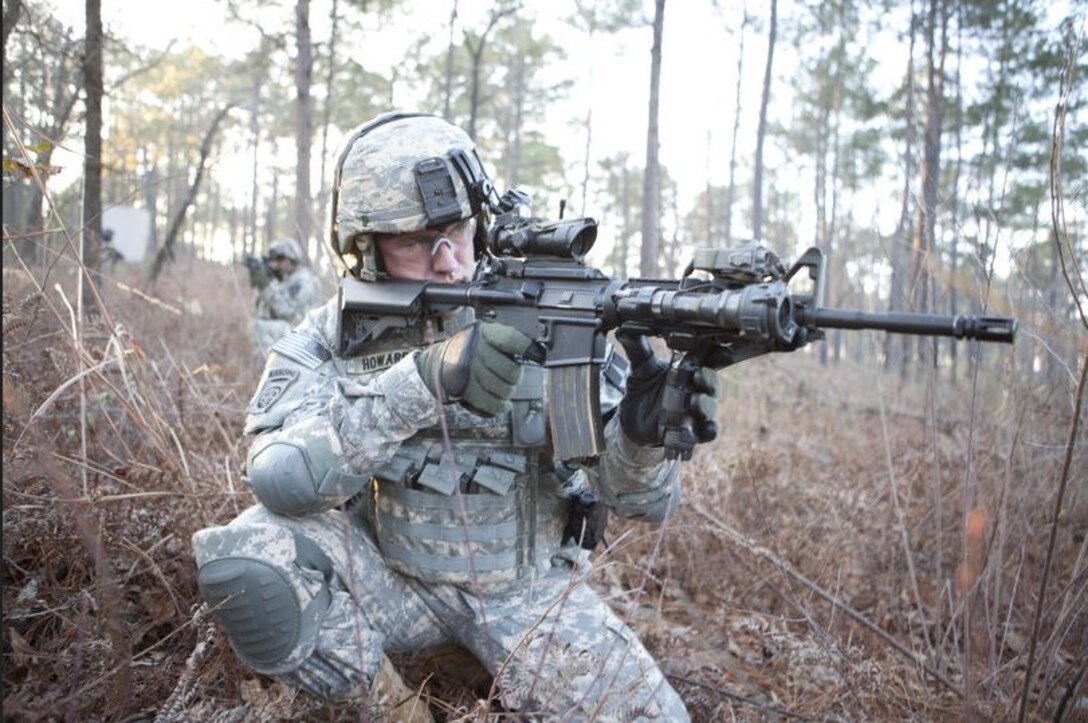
(303, 348)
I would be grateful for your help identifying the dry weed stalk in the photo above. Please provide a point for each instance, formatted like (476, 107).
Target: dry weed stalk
(97, 525)
(1075, 282)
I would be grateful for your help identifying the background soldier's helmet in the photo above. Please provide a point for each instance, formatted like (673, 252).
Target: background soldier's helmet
(403, 172)
(285, 247)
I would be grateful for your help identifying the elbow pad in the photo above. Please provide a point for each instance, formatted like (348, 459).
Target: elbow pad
(297, 472)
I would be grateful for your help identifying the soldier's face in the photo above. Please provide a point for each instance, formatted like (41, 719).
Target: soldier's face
(282, 266)
(435, 254)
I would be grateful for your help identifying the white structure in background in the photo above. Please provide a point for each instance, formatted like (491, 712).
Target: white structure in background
(131, 231)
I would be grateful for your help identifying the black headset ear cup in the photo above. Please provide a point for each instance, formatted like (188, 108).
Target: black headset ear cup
(479, 240)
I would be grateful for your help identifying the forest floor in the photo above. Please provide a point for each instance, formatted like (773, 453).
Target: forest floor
(853, 547)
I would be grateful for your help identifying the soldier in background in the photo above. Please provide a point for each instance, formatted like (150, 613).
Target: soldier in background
(110, 254)
(408, 494)
(286, 291)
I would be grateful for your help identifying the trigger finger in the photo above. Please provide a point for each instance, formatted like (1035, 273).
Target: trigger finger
(505, 339)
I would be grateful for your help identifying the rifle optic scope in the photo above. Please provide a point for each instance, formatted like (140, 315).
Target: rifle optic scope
(566, 239)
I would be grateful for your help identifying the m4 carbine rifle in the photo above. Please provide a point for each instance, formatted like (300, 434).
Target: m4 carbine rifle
(260, 270)
(535, 279)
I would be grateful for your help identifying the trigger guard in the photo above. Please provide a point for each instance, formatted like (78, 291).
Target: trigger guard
(537, 353)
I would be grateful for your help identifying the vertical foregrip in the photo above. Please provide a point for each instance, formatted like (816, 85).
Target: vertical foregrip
(574, 411)
(679, 428)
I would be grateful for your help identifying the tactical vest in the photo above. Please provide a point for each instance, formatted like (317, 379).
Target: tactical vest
(472, 500)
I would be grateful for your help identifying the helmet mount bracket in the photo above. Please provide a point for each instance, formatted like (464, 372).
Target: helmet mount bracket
(437, 192)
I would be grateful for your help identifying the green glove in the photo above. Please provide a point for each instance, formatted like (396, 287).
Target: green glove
(476, 366)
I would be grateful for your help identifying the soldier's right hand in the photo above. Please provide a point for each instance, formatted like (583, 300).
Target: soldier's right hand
(477, 366)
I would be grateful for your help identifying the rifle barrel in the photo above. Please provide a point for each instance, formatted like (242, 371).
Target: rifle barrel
(982, 328)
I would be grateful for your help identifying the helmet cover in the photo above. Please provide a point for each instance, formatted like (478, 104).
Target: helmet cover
(378, 191)
(286, 247)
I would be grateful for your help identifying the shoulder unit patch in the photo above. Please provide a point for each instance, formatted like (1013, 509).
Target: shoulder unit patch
(275, 384)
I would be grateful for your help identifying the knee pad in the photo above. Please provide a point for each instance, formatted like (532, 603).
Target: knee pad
(268, 589)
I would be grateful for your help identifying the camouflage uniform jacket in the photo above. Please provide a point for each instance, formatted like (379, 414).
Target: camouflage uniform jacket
(290, 299)
(449, 496)
(283, 304)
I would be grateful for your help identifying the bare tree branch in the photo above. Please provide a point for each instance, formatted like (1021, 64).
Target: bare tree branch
(166, 252)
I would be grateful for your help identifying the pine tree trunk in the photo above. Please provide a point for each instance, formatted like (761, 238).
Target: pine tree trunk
(731, 195)
(514, 127)
(304, 66)
(625, 242)
(255, 131)
(326, 115)
(897, 346)
(925, 252)
(92, 159)
(447, 85)
(757, 183)
(151, 199)
(651, 181)
(953, 299)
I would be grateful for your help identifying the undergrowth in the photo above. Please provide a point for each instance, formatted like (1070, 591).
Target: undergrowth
(853, 547)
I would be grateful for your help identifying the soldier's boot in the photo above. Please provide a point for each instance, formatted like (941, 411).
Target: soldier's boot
(391, 701)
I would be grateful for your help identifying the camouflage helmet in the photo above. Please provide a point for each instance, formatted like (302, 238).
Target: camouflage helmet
(399, 173)
(286, 247)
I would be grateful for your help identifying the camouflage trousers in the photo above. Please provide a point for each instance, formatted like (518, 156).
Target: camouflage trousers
(553, 646)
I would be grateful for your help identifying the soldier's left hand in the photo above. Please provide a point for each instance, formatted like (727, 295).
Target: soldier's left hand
(641, 411)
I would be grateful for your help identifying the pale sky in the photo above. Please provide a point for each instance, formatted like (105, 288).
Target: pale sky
(697, 85)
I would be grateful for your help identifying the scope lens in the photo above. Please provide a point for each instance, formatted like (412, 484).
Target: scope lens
(784, 326)
(579, 246)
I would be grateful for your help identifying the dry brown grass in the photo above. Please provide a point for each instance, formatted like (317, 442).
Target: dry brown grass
(850, 549)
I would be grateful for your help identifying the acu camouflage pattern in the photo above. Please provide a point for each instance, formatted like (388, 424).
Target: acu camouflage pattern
(378, 191)
(285, 247)
(283, 304)
(552, 644)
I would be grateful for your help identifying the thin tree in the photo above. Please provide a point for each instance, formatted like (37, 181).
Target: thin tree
(92, 159)
(731, 192)
(166, 251)
(304, 121)
(326, 114)
(925, 231)
(897, 351)
(588, 14)
(476, 53)
(757, 182)
(651, 180)
(11, 16)
(591, 16)
(447, 86)
(515, 128)
(255, 134)
(953, 297)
